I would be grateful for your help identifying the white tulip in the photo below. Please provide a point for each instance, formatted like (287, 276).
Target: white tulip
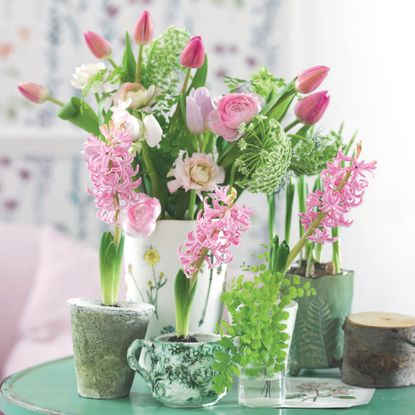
(152, 130)
(124, 120)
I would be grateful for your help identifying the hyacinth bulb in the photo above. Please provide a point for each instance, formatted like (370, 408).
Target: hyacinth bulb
(143, 29)
(99, 46)
(310, 79)
(310, 109)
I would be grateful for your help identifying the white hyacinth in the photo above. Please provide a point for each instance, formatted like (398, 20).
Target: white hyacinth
(85, 73)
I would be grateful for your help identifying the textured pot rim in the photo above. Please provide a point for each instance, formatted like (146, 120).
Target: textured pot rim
(342, 274)
(125, 307)
(211, 338)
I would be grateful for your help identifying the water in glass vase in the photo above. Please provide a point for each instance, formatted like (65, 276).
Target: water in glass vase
(261, 391)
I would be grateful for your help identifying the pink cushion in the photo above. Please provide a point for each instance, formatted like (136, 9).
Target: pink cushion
(67, 268)
(18, 264)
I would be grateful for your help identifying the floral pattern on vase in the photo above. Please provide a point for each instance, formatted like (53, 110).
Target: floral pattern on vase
(151, 267)
(178, 374)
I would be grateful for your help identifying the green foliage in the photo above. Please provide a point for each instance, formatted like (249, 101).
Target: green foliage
(162, 65)
(256, 339)
(110, 262)
(184, 291)
(265, 156)
(128, 62)
(312, 150)
(264, 83)
(79, 113)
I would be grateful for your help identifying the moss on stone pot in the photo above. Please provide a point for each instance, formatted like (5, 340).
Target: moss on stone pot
(101, 336)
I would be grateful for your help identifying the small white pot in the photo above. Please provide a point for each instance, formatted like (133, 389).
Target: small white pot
(153, 281)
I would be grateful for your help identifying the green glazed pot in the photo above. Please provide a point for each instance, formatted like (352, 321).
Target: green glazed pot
(178, 374)
(318, 334)
(101, 336)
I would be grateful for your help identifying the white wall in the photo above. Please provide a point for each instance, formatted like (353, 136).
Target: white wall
(369, 46)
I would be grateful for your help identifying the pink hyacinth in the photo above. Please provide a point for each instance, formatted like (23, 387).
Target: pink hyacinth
(218, 227)
(344, 182)
(110, 169)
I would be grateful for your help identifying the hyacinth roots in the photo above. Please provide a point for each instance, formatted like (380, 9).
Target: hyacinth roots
(266, 156)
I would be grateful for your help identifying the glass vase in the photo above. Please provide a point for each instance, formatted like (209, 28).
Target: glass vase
(261, 391)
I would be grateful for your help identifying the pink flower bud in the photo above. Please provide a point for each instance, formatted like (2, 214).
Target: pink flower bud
(34, 92)
(193, 55)
(310, 79)
(143, 29)
(198, 107)
(311, 108)
(99, 46)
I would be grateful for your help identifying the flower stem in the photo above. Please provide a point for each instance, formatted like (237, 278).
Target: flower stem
(337, 261)
(186, 81)
(139, 63)
(192, 204)
(271, 216)
(302, 206)
(55, 101)
(150, 170)
(289, 200)
(291, 125)
(111, 61)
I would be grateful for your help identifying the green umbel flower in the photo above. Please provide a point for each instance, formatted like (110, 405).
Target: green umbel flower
(263, 82)
(311, 153)
(265, 158)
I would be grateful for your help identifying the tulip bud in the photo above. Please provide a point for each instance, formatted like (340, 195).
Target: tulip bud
(311, 79)
(311, 108)
(99, 46)
(193, 55)
(34, 92)
(198, 107)
(143, 29)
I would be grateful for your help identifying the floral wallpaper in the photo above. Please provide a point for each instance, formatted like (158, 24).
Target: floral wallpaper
(42, 41)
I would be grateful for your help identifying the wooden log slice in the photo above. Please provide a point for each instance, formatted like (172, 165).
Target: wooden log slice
(379, 350)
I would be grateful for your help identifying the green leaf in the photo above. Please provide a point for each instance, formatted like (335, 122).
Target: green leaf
(200, 76)
(128, 61)
(79, 113)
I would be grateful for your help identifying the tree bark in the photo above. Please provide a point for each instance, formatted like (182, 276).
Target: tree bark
(379, 350)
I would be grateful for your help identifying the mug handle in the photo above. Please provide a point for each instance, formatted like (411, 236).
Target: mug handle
(133, 361)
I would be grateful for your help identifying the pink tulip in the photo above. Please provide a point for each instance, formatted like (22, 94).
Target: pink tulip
(311, 108)
(99, 46)
(143, 29)
(310, 79)
(193, 55)
(198, 107)
(34, 92)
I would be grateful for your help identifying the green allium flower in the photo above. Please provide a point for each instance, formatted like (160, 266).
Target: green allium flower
(266, 155)
(311, 154)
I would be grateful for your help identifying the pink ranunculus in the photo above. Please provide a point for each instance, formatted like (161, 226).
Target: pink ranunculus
(231, 111)
(140, 96)
(142, 216)
(199, 172)
(198, 107)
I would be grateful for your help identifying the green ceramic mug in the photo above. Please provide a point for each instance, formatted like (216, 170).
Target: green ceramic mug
(178, 374)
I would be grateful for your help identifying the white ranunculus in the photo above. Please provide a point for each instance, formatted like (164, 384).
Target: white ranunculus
(84, 74)
(123, 119)
(152, 130)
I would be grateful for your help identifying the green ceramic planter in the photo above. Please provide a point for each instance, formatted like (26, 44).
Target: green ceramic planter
(101, 336)
(179, 375)
(318, 334)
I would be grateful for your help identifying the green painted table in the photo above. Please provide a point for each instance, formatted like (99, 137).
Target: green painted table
(51, 389)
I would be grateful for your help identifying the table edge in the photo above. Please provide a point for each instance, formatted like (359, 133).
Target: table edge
(6, 389)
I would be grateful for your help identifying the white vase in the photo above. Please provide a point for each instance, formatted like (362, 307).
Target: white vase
(151, 265)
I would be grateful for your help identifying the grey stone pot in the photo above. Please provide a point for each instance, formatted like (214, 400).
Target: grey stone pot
(101, 336)
(178, 374)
